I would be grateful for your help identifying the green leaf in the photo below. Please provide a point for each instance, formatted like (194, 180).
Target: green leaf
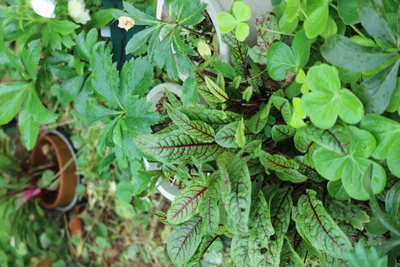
(280, 59)
(351, 167)
(242, 31)
(240, 250)
(386, 132)
(105, 162)
(63, 27)
(348, 11)
(376, 91)
(11, 97)
(30, 57)
(208, 115)
(276, 162)
(136, 76)
(105, 75)
(301, 49)
(212, 92)
(28, 127)
(373, 18)
(186, 203)
(225, 137)
(261, 219)
(362, 256)
(341, 51)
(291, 10)
(282, 132)
(284, 106)
(70, 88)
(184, 240)
(177, 147)
(327, 101)
(140, 17)
(198, 129)
(317, 17)
(241, 10)
(265, 38)
(237, 201)
(226, 22)
(240, 139)
(124, 191)
(101, 18)
(140, 38)
(316, 226)
(209, 210)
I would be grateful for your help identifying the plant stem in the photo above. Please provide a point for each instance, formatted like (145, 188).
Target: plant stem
(357, 30)
(188, 29)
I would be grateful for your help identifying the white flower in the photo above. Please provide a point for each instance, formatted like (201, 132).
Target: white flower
(44, 8)
(77, 11)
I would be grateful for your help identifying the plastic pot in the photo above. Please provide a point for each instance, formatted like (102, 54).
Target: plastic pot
(65, 197)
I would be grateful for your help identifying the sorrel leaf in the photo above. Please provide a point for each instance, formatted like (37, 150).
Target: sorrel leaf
(319, 228)
(184, 240)
(186, 203)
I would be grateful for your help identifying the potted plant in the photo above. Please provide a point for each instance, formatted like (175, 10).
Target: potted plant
(50, 174)
(288, 156)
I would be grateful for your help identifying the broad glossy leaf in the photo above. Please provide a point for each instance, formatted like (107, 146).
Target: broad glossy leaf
(280, 59)
(184, 240)
(291, 10)
(373, 18)
(177, 147)
(11, 97)
(186, 203)
(376, 91)
(344, 53)
(318, 227)
(301, 48)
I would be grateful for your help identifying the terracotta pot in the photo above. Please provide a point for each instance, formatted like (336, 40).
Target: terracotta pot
(65, 197)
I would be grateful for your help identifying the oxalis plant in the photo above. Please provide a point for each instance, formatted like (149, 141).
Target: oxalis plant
(295, 153)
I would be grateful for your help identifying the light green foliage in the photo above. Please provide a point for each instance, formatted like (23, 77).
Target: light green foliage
(241, 12)
(327, 101)
(362, 255)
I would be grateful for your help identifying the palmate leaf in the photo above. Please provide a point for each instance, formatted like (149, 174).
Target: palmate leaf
(177, 147)
(186, 203)
(240, 250)
(225, 137)
(198, 129)
(318, 228)
(184, 240)
(363, 256)
(351, 166)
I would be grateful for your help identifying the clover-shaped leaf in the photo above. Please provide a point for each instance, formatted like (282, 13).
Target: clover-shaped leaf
(350, 166)
(227, 22)
(327, 100)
